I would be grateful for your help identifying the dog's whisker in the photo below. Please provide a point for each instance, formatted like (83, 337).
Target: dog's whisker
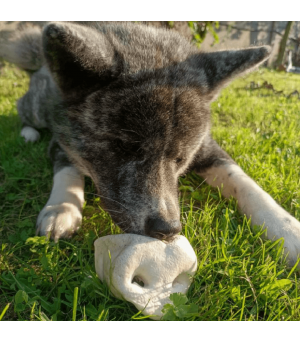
(102, 196)
(119, 223)
(110, 210)
(125, 229)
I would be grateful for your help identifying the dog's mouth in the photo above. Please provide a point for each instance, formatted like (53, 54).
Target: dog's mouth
(163, 237)
(160, 230)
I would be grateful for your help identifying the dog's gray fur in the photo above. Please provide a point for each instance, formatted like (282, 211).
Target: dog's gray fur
(128, 105)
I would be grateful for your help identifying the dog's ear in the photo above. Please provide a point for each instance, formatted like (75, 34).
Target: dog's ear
(216, 69)
(79, 57)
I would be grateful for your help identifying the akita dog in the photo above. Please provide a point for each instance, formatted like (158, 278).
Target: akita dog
(129, 106)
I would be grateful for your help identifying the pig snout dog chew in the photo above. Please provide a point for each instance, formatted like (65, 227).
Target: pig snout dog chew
(145, 271)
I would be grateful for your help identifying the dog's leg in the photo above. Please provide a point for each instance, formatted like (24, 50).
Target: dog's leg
(219, 170)
(33, 108)
(62, 215)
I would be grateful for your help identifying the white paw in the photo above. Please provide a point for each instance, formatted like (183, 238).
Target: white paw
(59, 221)
(30, 134)
(281, 224)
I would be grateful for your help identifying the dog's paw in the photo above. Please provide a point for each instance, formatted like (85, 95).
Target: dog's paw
(281, 224)
(291, 228)
(59, 221)
(30, 134)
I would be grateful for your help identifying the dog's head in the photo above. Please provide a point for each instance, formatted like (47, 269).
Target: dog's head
(136, 113)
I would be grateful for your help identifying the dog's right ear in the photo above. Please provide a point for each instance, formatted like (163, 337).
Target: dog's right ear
(79, 57)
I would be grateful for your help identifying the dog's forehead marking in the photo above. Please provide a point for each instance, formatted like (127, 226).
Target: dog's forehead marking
(146, 113)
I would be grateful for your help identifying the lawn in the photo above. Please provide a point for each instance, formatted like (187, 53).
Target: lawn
(240, 276)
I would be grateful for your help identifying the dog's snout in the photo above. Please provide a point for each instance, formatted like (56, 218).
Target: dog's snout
(158, 228)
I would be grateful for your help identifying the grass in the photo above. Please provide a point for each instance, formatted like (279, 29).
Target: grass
(240, 276)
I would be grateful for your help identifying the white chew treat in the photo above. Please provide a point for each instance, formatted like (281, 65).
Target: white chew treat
(163, 268)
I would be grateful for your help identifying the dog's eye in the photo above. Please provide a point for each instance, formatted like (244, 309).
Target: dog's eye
(178, 160)
(132, 148)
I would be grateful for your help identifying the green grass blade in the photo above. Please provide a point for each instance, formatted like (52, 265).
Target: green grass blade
(75, 299)
(4, 311)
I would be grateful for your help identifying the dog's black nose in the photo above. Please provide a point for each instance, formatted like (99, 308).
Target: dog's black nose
(158, 228)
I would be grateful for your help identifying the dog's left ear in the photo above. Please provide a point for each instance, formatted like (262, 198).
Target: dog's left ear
(216, 69)
(80, 58)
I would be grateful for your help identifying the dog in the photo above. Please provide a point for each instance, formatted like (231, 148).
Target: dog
(129, 106)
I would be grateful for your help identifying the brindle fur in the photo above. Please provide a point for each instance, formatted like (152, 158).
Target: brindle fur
(128, 105)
